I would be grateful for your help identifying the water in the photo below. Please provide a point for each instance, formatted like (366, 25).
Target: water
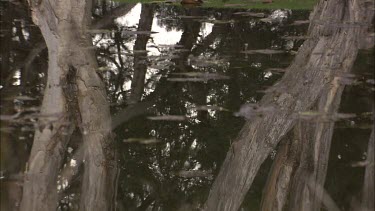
(195, 72)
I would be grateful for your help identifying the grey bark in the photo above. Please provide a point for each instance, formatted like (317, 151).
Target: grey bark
(307, 184)
(40, 191)
(331, 50)
(300, 169)
(276, 190)
(75, 96)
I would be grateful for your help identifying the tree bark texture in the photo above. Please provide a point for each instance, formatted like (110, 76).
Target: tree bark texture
(301, 164)
(74, 97)
(336, 30)
(275, 193)
(308, 181)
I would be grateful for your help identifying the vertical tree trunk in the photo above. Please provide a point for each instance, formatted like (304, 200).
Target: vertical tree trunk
(76, 97)
(301, 176)
(336, 31)
(48, 150)
(315, 137)
(276, 190)
(140, 59)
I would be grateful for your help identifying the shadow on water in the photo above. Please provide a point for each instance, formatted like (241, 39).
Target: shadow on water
(181, 83)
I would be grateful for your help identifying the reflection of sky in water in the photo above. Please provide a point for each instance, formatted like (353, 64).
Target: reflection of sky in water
(17, 77)
(163, 37)
(131, 18)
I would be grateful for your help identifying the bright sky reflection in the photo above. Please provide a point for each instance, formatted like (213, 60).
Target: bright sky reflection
(162, 37)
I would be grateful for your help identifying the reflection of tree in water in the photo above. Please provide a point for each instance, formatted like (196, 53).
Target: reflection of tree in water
(22, 56)
(211, 134)
(314, 81)
(168, 17)
(158, 175)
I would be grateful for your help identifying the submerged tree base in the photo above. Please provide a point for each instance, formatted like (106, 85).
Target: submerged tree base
(74, 93)
(319, 63)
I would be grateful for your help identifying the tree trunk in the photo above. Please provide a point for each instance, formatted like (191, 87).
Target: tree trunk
(140, 58)
(335, 33)
(301, 175)
(74, 97)
(277, 188)
(306, 191)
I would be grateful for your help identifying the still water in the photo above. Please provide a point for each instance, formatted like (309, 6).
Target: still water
(176, 80)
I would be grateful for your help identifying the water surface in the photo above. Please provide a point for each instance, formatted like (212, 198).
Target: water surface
(185, 73)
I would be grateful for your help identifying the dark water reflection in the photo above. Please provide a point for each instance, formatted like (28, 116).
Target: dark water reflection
(182, 75)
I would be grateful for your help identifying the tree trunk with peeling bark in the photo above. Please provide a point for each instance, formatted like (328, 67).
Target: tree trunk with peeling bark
(336, 31)
(74, 98)
(301, 164)
(275, 192)
(315, 137)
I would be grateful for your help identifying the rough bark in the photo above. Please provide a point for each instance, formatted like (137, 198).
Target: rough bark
(76, 97)
(308, 151)
(277, 187)
(315, 139)
(40, 191)
(100, 169)
(336, 30)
